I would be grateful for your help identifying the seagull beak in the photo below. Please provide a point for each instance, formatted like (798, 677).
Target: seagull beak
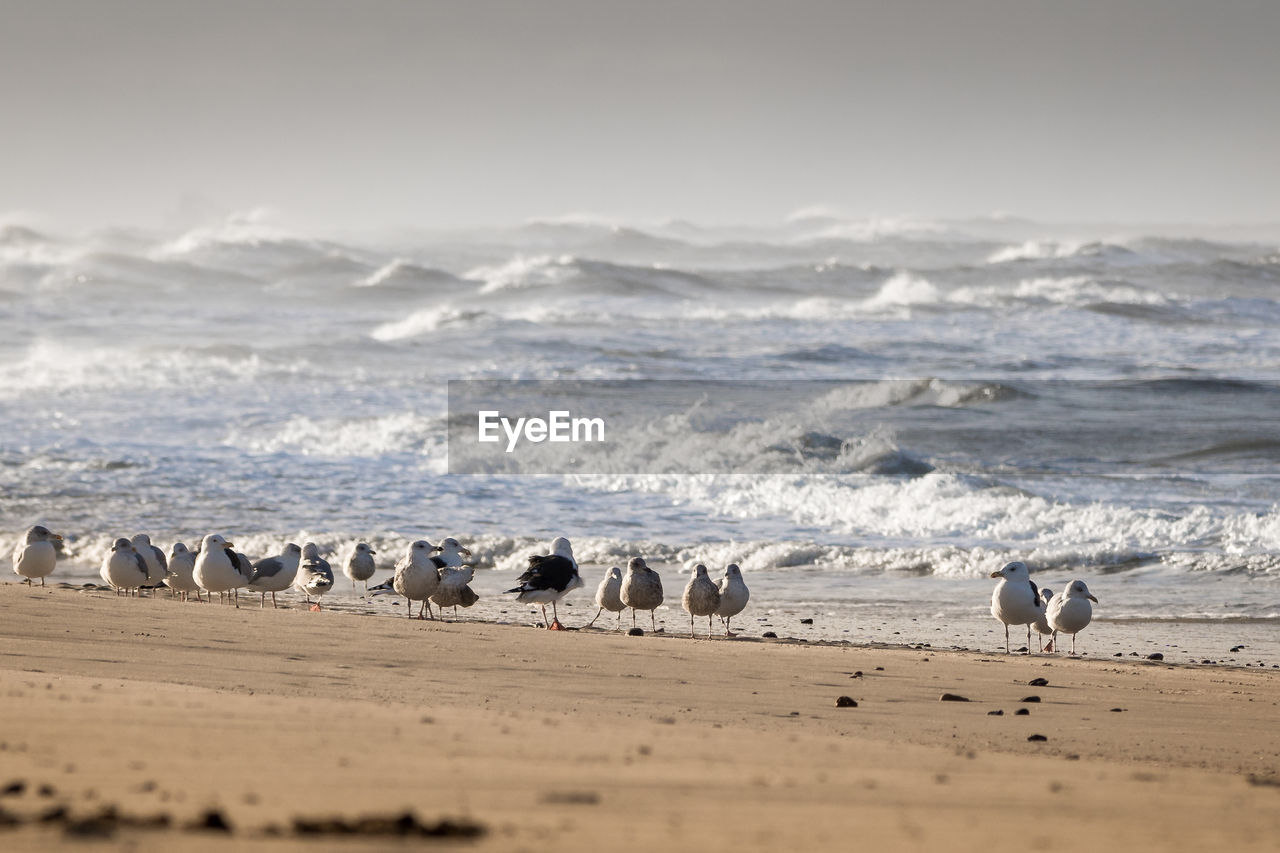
(55, 536)
(1094, 600)
(228, 545)
(464, 551)
(999, 574)
(371, 551)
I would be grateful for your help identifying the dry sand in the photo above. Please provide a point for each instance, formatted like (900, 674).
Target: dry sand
(595, 741)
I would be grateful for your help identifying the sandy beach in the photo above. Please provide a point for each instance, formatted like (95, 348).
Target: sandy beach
(291, 725)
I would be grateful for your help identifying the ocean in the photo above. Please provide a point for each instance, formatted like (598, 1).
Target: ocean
(1099, 402)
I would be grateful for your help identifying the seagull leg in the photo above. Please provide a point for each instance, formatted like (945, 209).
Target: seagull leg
(555, 621)
(1028, 638)
(544, 616)
(594, 618)
(653, 621)
(691, 634)
(263, 603)
(1006, 639)
(708, 626)
(633, 617)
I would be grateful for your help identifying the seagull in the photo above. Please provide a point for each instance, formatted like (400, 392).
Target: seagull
(454, 577)
(548, 579)
(315, 577)
(217, 568)
(734, 595)
(1071, 611)
(609, 596)
(124, 568)
(360, 565)
(1042, 621)
(35, 556)
(701, 598)
(1016, 601)
(417, 575)
(641, 590)
(275, 574)
(157, 565)
(182, 563)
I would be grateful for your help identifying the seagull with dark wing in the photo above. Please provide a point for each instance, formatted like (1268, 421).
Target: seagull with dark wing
(548, 579)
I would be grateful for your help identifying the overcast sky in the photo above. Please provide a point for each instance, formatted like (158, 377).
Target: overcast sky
(366, 114)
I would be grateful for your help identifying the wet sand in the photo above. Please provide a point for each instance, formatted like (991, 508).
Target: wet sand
(533, 740)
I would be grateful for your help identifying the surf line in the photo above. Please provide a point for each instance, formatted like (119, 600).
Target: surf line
(558, 426)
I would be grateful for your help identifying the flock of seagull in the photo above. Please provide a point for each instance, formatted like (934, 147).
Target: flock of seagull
(430, 574)
(440, 575)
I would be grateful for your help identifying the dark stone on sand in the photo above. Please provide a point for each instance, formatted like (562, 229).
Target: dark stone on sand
(211, 821)
(995, 713)
(1269, 781)
(1155, 656)
(101, 825)
(879, 669)
(572, 798)
(769, 635)
(1117, 710)
(846, 702)
(636, 632)
(952, 697)
(857, 674)
(56, 814)
(1038, 682)
(1035, 738)
(1237, 648)
(806, 621)
(45, 790)
(13, 789)
(1022, 712)
(404, 825)
(1025, 699)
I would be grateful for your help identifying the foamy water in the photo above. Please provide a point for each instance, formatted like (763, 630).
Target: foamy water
(1098, 405)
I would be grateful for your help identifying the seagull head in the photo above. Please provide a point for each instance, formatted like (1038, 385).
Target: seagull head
(700, 570)
(40, 533)
(732, 571)
(179, 548)
(561, 547)
(1013, 571)
(1079, 589)
(616, 573)
(213, 542)
(637, 564)
(363, 548)
(311, 551)
(122, 544)
(292, 549)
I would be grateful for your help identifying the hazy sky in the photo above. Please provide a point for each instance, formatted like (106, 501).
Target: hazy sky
(364, 114)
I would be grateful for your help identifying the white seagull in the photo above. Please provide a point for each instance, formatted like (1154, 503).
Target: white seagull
(1015, 601)
(1070, 612)
(35, 556)
(157, 565)
(641, 590)
(315, 577)
(182, 562)
(734, 595)
(360, 565)
(124, 568)
(275, 574)
(548, 579)
(217, 567)
(609, 597)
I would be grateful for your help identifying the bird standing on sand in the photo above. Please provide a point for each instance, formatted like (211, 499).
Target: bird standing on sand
(417, 575)
(1015, 601)
(734, 595)
(454, 589)
(701, 598)
(548, 579)
(315, 577)
(36, 555)
(275, 574)
(1071, 612)
(1042, 621)
(217, 567)
(182, 562)
(609, 597)
(124, 568)
(641, 590)
(157, 565)
(360, 565)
